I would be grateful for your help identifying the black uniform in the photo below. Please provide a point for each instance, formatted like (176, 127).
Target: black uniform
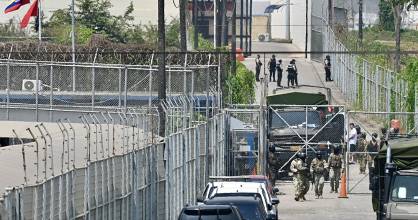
(272, 65)
(258, 65)
(327, 66)
(279, 74)
(291, 75)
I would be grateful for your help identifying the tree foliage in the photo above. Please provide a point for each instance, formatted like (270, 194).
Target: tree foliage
(386, 20)
(241, 86)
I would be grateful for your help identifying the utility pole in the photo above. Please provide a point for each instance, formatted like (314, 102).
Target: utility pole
(306, 28)
(360, 23)
(73, 40)
(224, 10)
(183, 28)
(40, 20)
(161, 64)
(287, 20)
(234, 38)
(196, 32)
(215, 23)
(330, 13)
(241, 24)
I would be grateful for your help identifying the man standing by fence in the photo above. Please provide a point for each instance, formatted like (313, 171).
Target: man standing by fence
(272, 68)
(258, 65)
(327, 67)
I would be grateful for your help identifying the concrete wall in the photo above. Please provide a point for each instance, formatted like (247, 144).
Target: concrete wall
(260, 26)
(297, 22)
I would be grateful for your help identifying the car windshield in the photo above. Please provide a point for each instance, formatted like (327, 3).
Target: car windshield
(248, 210)
(405, 189)
(208, 214)
(295, 118)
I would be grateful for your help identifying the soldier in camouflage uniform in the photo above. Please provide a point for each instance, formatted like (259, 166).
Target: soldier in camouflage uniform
(362, 149)
(272, 160)
(335, 164)
(300, 176)
(318, 169)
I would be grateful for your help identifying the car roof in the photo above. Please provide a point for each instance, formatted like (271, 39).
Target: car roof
(230, 199)
(238, 184)
(207, 207)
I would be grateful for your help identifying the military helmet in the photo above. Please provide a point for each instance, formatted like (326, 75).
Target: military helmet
(363, 135)
(374, 135)
(301, 155)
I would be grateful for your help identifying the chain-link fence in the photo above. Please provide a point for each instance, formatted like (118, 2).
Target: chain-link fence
(246, 142)
(91, 86)
(364, 85)
(109, 165)
(367, 132)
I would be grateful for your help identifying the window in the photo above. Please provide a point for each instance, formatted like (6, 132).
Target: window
(405, 189)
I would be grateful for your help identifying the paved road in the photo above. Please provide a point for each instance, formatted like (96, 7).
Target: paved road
(310, 72)
(357, 206)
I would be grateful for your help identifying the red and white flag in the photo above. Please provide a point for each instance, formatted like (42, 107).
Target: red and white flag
(32, 12)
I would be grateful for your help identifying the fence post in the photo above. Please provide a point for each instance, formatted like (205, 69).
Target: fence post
(126, 90)
(51, 95)
(36, 152)
(37, 93)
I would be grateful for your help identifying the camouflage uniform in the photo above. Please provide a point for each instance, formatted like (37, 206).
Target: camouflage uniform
(318, 167)
(272, 160)
(362, 157)
(300, 178)
(335, 165)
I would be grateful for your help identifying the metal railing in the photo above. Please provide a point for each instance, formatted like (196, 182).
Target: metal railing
(365, 86)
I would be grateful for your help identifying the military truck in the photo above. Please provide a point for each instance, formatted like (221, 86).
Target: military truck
(394, 180)
(291, 123)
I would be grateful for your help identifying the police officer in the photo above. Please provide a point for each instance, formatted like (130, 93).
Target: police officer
(327, 67)
(272, 68)
(362, 149)
(318, 169)
(300, 176)
(279, 73)
(258, 65)
(335, 164)
(272, 166)
(291, 74)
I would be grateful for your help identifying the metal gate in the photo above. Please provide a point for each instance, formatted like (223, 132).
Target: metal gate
(246, 151)
(361, 156)
(293, 129)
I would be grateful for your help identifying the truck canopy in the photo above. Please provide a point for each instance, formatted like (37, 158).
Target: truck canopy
(297, 98)
(404, 153)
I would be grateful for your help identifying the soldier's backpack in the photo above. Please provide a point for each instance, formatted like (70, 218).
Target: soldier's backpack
(336, 161)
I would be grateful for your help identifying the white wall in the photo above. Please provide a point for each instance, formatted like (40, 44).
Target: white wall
(297, 22)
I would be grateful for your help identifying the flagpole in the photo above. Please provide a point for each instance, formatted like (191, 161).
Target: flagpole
(40, 20)
(73, 39)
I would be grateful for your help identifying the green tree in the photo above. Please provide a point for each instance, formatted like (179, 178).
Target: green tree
(398, 7)
(386, 19)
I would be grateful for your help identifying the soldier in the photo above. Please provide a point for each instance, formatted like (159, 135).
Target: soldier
(335, 164)
(372, 149)
(318, 169)
(362, 149)
(273, 166)
(279, 73)
(300, 176)
(272, 67)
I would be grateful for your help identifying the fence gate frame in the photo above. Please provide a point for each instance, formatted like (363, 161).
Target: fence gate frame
(259, 112)
(306, 141)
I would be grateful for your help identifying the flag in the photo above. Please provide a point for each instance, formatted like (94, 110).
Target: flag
(33, 12)
(15, 5)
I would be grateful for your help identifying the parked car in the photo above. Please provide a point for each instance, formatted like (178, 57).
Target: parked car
(219, 188)
(250, 206)
(210, 212)
(273, 190)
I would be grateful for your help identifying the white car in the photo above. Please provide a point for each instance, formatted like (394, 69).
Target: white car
(229, 188)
